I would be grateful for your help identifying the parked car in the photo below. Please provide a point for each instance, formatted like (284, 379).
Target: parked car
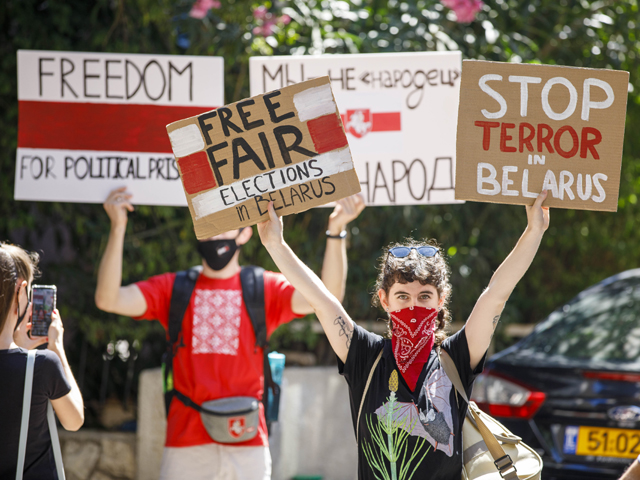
(571, 389)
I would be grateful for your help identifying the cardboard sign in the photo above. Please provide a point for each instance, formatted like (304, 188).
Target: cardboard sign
(92, 122)
(287, 146)
(523, 128)
(399, 111)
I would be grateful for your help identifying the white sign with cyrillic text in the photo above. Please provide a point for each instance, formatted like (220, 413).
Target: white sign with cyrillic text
(399, 111)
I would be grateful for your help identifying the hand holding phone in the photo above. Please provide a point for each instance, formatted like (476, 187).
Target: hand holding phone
(43, 298)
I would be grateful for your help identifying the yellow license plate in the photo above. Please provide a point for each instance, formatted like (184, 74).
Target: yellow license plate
(608, 442)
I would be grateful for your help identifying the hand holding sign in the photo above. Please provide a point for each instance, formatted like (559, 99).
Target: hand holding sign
(525, 127)
(537, 215)
(270, 230)
(286, 146)
(344, 212)
(116, 205)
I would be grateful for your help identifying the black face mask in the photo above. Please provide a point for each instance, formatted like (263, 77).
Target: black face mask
(217, 253)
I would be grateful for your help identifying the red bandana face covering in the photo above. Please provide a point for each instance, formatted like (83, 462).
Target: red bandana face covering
(412, 340)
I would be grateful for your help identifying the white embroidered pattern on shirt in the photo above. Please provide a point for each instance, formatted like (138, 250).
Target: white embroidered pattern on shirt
(216, 321)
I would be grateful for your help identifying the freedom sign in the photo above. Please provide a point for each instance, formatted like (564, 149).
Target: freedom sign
(286, 146)
(523, 128)
(399, 111)
(92, 122)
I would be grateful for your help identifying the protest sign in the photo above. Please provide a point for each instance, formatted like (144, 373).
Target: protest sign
(91, 122)
(286, 146)
(399, 111)
(523, 128)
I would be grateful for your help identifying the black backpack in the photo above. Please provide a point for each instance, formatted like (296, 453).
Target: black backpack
(252, 281)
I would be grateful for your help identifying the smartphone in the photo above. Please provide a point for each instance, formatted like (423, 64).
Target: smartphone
(43, 298)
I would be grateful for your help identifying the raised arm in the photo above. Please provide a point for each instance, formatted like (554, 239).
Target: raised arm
(487, 310)
(334, 266)
(334, 320)
(110, 295)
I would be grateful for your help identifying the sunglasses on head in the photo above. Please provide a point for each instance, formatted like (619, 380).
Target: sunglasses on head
(425, 251)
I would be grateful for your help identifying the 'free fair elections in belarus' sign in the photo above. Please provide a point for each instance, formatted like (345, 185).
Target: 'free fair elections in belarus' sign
(523, 128)
(91, 122)
(399, 111)
(286, 146)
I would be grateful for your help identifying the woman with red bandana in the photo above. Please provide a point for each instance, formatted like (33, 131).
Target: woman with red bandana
(406, 414)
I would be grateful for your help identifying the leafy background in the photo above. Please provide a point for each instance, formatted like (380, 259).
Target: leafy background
(580, 248)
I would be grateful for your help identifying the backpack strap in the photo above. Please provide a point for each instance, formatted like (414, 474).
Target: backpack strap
(26, 409)
(183, 286)
(252, 281)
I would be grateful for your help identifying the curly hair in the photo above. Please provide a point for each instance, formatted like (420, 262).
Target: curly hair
(427, 270)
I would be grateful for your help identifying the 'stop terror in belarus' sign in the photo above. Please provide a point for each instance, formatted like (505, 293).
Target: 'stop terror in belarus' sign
(523, 128)
(286, 146)
(91, 122)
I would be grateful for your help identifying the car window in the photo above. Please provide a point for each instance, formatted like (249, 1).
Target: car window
(600, 327)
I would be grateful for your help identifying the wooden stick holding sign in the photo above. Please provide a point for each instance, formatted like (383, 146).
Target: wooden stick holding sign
(287, 146)
(523, 128)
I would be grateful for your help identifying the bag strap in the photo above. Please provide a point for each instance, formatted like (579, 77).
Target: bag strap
(26, 410)
(183, 286)
(366, 389)
(502, 461)
(252, 281)
(55, 441)
(452, 372)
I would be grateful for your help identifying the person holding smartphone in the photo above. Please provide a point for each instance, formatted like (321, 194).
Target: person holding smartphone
(52, 379)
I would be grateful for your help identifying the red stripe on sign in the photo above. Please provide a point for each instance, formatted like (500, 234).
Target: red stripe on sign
(327, 133)
(386, 122)
(99, 126)
(382, 122)
(196, 173)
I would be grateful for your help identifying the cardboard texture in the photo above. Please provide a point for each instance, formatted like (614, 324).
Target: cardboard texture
(287, 146)
(523, 128)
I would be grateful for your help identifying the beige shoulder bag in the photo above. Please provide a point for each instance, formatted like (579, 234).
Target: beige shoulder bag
(490, 450)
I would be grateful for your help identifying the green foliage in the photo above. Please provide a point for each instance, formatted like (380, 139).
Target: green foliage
(579, 249)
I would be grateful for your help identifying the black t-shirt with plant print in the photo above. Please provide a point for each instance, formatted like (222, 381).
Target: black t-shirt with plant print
(402, 434)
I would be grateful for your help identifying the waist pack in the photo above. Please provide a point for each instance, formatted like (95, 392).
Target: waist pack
(227, 420)
(490, 450)
(252, 283)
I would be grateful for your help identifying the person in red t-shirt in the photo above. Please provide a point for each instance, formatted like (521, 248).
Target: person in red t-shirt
(220, 359)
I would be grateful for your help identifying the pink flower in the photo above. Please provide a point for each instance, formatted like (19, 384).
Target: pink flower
(465, 10)
(201, 7)
(260, 13)
(268, 21)
(266, 29)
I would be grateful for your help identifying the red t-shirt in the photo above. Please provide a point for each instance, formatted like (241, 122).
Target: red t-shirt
(220, 358)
